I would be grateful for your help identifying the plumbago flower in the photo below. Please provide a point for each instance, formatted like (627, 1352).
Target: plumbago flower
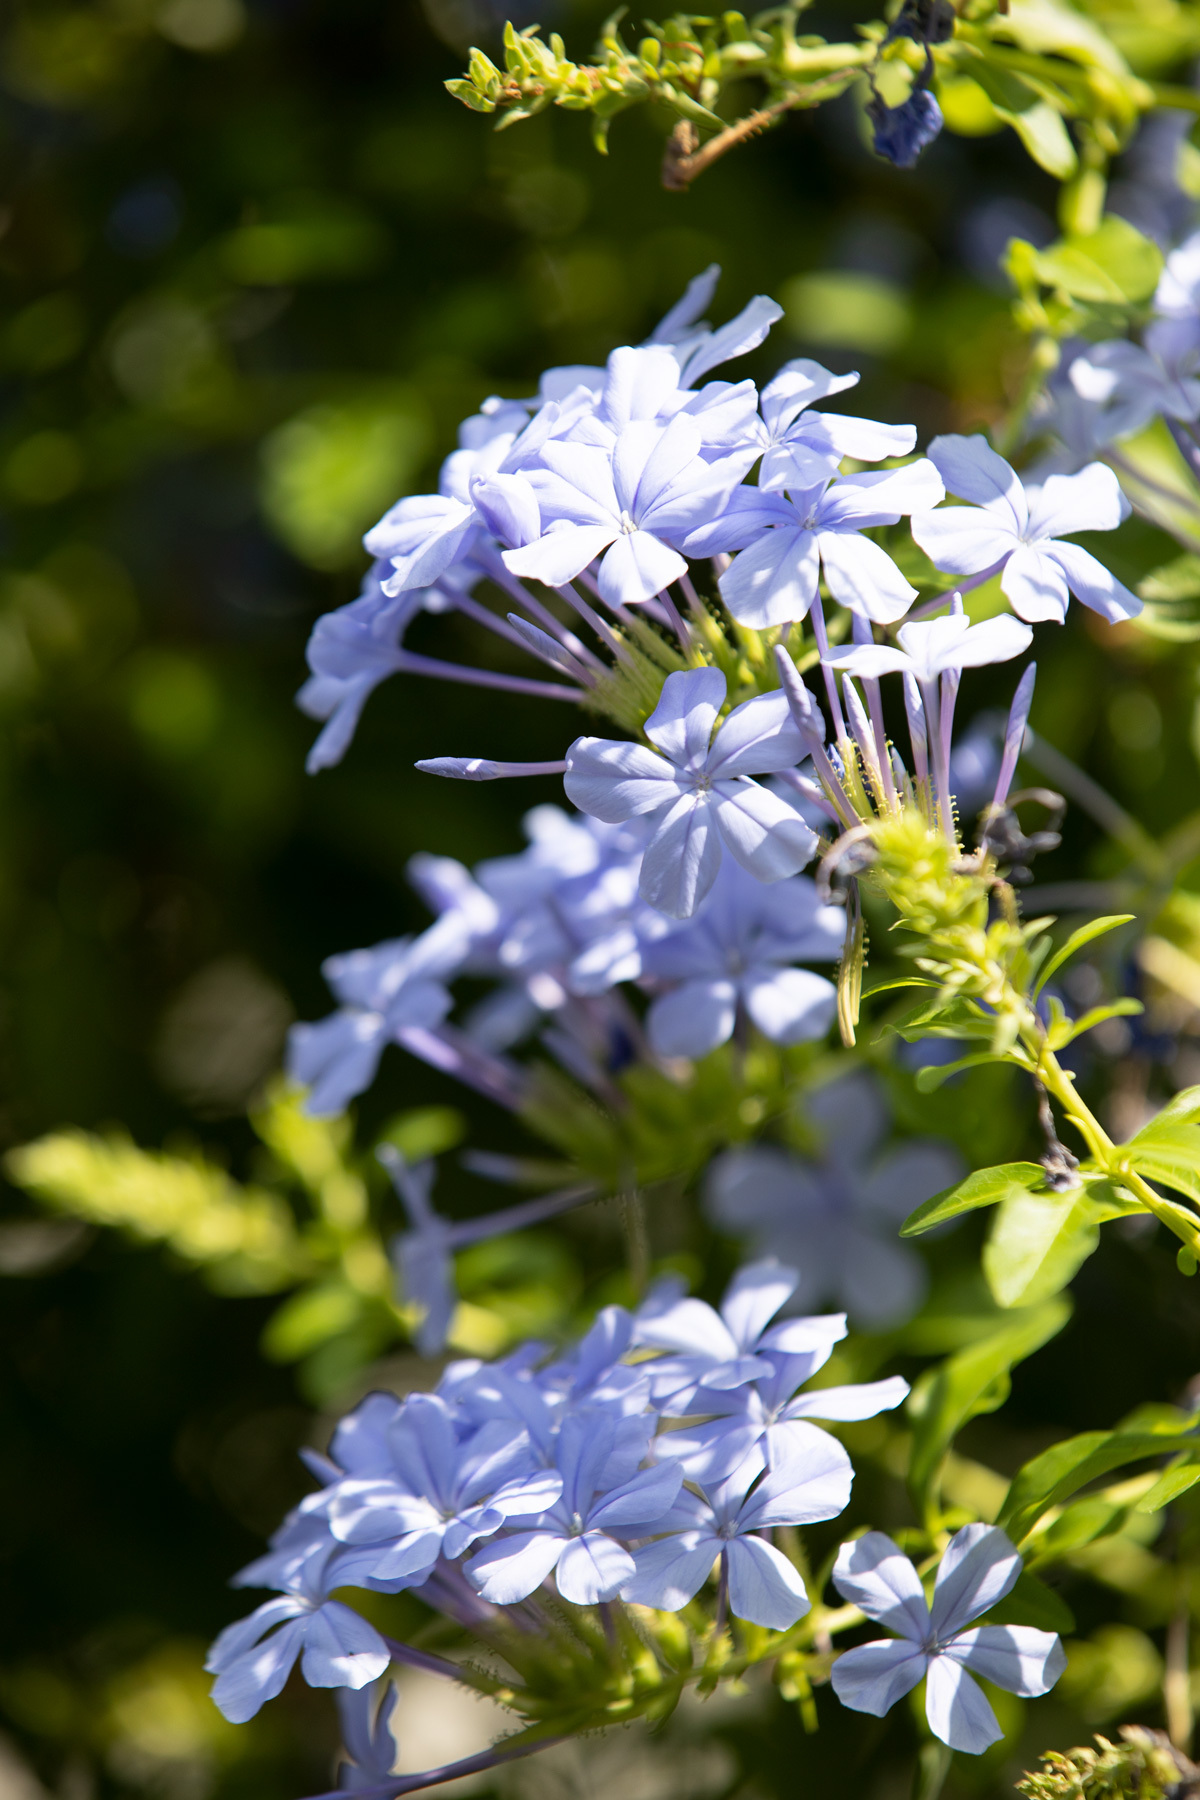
(696, 789)
(740, 1373)
(631, 506)
(365, 1716)
(834, 1215)
(515, 1473)
(737, 954)
(938, 1643)
(787, 541)
(800, 447)
(723, 1522)
(1017, 532)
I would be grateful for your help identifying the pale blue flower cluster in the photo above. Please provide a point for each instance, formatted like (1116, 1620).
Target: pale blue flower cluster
(561, 925)
(606, 487)
(532, 1469)
(1102, 393)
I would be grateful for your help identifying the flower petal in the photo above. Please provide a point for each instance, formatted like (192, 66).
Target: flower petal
(956, 1708)
(257, 1676)
(693, 1020)
(509, 1569)
(873, 1677)
(616, 781)
(812, 1483)
(672, 1571)
(764, 1587)
(341, 1649)
(682, 722)
(680, 863)
(1092, 584)
(753, 1297)
(1035, 584)
(758, 738)
(761, 830)
(790, 1006)
(978, 1568)
(774, 582)
(860, 1400)
(971, 469)
(637, 567)
(592, 1568)
(561, 554)
(874, 1573)
(862, 575)
(1090, 500)
(963, 539)
(1016, 1657)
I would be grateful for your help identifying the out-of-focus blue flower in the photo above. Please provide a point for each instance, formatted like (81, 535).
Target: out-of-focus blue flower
(834, 1215)
(350, 652)
(365, 1715)
(978, 1569)
(900, 133)
(698, 793)
(738, 952)
(383, 991)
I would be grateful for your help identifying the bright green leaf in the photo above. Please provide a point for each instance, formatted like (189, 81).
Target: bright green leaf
(1045, 137)
(986, 1187)
(1085, 935)
(1170, 1484)
(1065, 1468)
(973, 1381)
(1036, 1243)
(1168, 1153)
(932, 1075)
(1115, 264)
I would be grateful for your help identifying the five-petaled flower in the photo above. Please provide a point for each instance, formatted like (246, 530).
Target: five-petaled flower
(698, 793)
(940, 1642)
(1019, 530)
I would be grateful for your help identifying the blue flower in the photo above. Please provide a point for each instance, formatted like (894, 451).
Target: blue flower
(834, 1214)
(365, 1715)
(737, 953)
(1020, 531)
(254, 1657)
(385, 991)
(978, 1568)
(578, 1538)
(788, 542)
(698, 793)
(900, 133)
(724, 1521)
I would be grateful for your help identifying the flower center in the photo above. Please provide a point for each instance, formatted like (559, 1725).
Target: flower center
(628, 523)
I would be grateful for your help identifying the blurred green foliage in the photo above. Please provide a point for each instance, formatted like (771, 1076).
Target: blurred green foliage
(256, 267)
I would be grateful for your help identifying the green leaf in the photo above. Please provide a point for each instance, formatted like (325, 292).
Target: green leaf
(1169, 1153)
(986, 1187)
(1172, 600)
(931, 1076)
(310, 1318)
(1065, 1468)
(1081, 1523)
(1072, 1028)
(1115, 264)
(1171, 1483)
(973, 1381)
(1030, 1602)
(1182, 1109)
(1085, 935)
(1045, 137)
(1038, 1241)
(1036, 1244)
